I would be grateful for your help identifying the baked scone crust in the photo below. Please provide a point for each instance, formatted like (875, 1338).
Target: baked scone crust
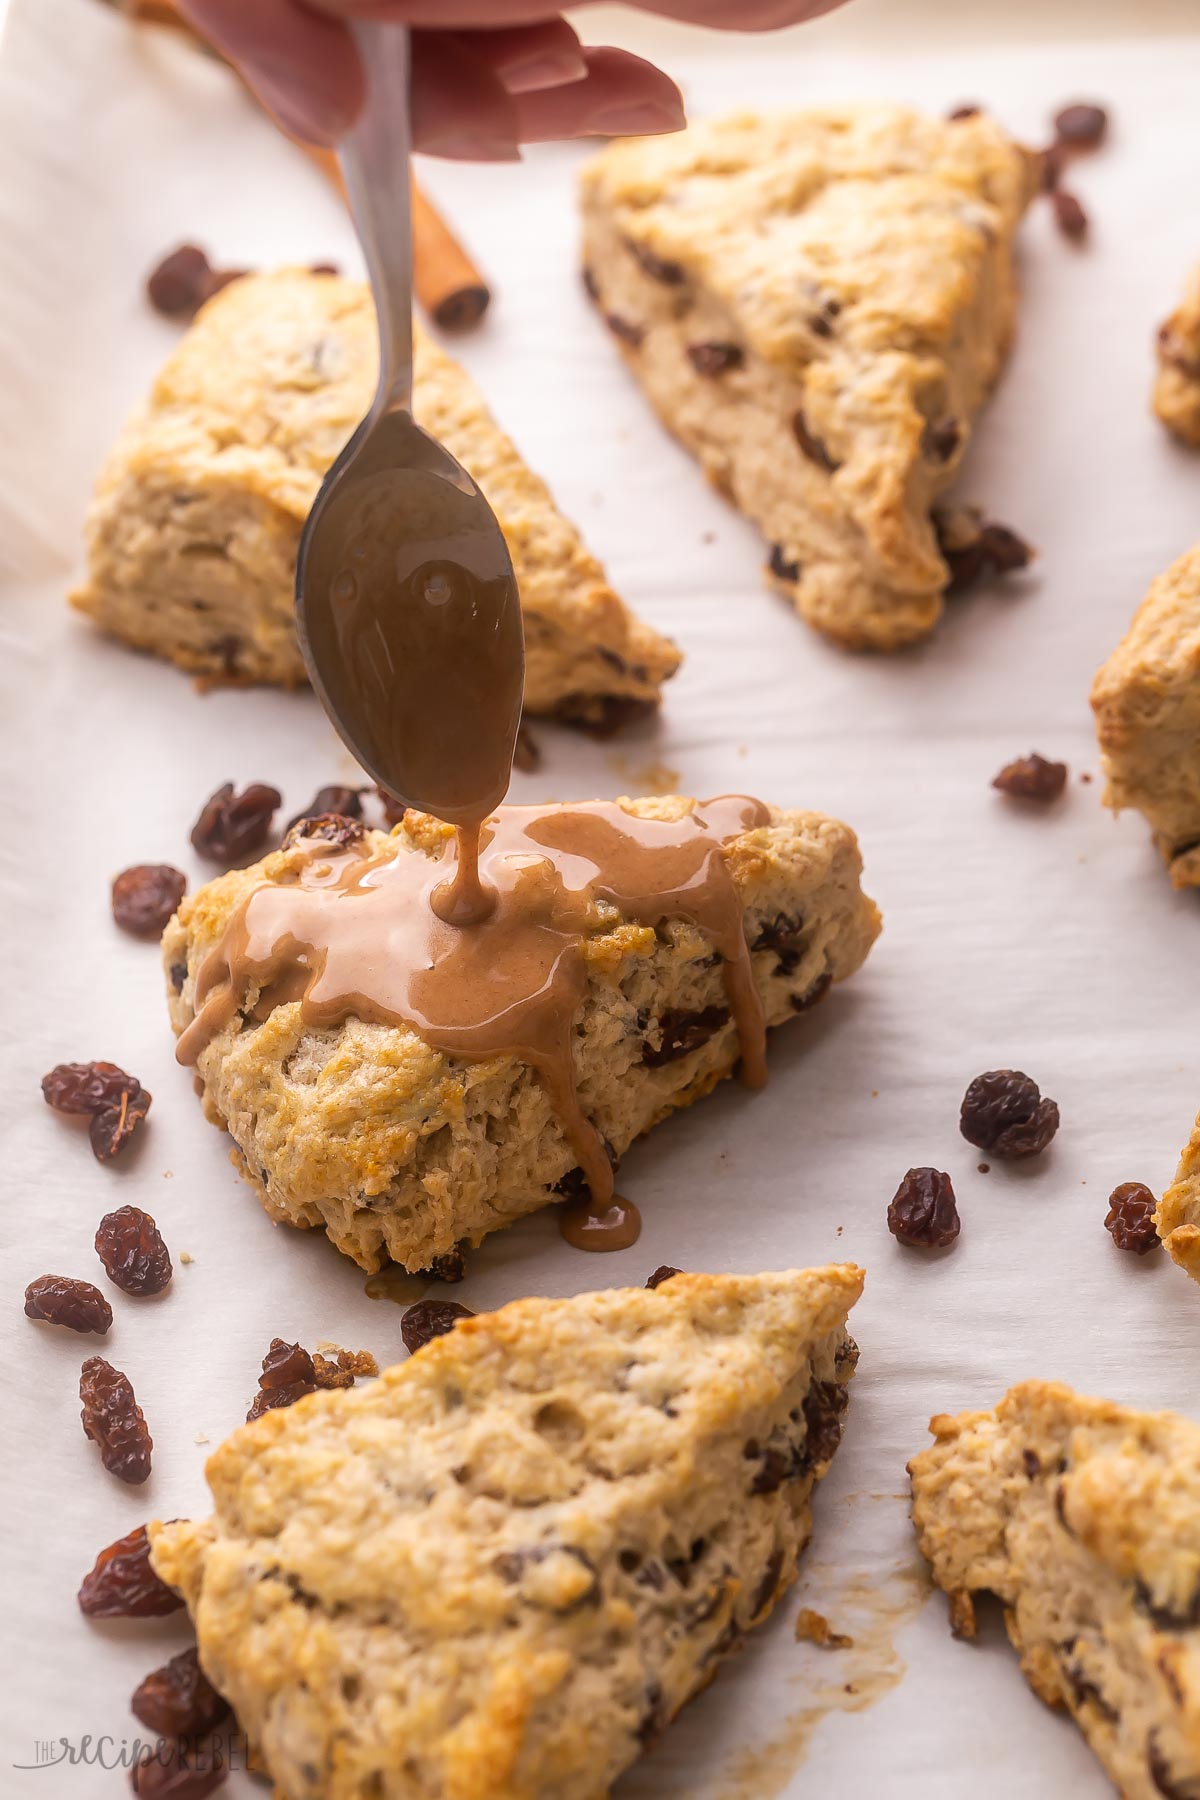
(1084, 1518)
(497, 1572)
(1177, 1216)
(1146, 700)
(193, 531)
(400, 1151)
(857, 264)
(1177, 387)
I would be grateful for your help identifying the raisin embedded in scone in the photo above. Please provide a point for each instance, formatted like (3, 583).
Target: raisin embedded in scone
(818, 304)
(499, 1571)
(1177, 1216)
(193, 531)
(1084, 1519)
(1177, 388)
(346, 1116)
(1146, 700)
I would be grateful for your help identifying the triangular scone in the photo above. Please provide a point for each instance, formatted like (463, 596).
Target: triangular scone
(818, 304)
(1146, 700)
(1084, 1518)
(193, 531)
(499, 1571)
(401, 1151)
(1177, 1217)
(1177, 387)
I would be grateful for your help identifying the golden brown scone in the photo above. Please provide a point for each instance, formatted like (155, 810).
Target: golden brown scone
(499, 1571)
(817, 304)
(1177, 1216)
(1177, 388)
(193, 532)
(1146, 700)
(1084, 1518)
(401, 1151)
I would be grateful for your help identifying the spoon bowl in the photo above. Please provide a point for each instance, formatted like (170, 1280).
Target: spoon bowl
(407, 608)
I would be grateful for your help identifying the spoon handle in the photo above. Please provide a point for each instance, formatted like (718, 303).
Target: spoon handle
(375, 163)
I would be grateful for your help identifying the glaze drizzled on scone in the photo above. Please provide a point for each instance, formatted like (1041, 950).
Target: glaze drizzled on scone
(400, 1148)
(499, 1571)
(359, 936)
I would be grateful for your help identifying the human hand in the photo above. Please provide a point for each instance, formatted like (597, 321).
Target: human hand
(488, 75)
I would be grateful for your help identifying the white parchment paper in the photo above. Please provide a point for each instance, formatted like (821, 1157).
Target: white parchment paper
(1050, 942)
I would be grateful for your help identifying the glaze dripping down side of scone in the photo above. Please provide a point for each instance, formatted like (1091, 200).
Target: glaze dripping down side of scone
(401, 1151)
(1177, 1217)
(498, 1572)
(1146, 701)
(1084, 1519)
(194, 528)
(1177, 386)
(817, 304)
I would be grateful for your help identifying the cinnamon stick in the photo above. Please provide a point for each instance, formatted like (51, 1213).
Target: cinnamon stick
(447, 282)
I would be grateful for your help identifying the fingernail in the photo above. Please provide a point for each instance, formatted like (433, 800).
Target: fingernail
(470, 146)
(554, 69)
(646, 118)
(315, 117)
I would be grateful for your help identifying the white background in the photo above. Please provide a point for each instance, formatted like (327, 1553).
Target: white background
(1052, 942)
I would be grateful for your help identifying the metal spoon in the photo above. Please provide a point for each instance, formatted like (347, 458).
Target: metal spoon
(406, 602)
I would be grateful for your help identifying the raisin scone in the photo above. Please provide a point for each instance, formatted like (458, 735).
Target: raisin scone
(1084, 1519)
(1146, 700)
(1177, 1216)
(1177, 388)
(817, 304)
(401, 1150)
(499, 1571)
(194, 528)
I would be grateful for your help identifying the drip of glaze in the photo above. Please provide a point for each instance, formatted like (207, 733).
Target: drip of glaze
(614, 1226)
(363, 937)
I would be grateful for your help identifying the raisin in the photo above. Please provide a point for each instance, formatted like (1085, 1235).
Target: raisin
(781, 565)
(117, 1102)
(1168, 1617)
(144, 897)
(179, 1700)
(450, 1266)
(114, 1421)
(658, 268)
(1032, 1462)
(979, 549)
(1082, 125)
(1069, 216)
(177, 976)
(1003, 1112)
(337, 830)
(429, 1319)
(109, 1131)
(663, 1273)
(1161, 1775)
(121, 1584)
(816, 993)
(625, 329)
(783, 935)
(287, 1375)
(91, 1087)
(967, 111)
(923, 1212)
(232, 825)
(772, 1474)
(1051, 162)
(813, 447)
(765, 1591)
(179, 1771)
(590, 285)
(823, 1406)
(176, 287)
(941, 438)
(345, 801)
(130, 1246)
(715, 359)
(1130, 1218)
(654, 1716)
(527, 752)
(1032, 778)
(683, 1032)
(61, 1300)
(325, 268)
